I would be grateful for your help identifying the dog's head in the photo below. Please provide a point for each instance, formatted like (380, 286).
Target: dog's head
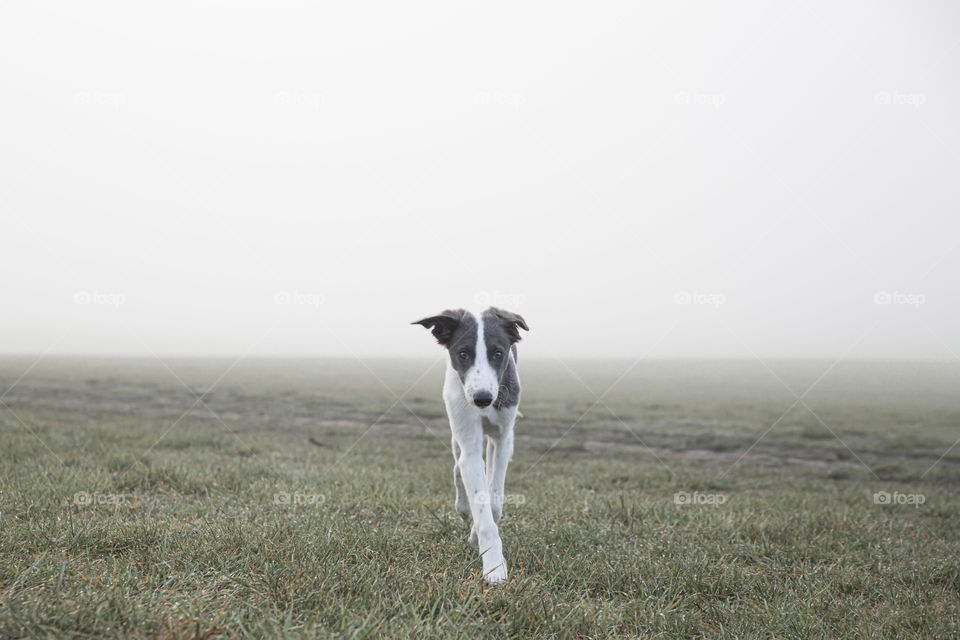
(479, 346)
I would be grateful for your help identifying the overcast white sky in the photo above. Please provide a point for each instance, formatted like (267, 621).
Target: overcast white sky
(675, 180)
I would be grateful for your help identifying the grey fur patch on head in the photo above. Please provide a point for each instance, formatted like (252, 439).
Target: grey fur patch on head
(508, 320)
(455, 329)
(445, 324)
(501, 336)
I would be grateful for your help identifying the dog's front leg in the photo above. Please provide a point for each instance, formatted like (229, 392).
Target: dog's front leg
(462, 505)
(498, 457)
(475, 483)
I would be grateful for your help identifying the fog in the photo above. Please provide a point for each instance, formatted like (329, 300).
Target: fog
(672, 180)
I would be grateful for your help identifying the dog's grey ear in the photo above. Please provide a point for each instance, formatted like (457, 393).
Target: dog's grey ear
(443, 325)
(510, 322)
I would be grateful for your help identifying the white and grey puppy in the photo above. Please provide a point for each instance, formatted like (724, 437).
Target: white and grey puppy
(482, 394)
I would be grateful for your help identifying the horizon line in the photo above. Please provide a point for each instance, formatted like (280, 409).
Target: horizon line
(535, 358)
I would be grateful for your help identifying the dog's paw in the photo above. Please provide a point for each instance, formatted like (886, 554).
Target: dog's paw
(497, 575)
(472, 540)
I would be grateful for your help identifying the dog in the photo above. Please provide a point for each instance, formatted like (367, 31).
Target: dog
(481, 392)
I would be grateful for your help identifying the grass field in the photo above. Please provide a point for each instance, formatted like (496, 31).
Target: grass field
(285, 498)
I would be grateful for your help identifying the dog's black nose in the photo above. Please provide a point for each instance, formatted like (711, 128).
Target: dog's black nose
(482, 399)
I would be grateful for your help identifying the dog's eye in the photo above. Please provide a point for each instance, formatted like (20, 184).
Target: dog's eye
(497, 355)
(463, 355)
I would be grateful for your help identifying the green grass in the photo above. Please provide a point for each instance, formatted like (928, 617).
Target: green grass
(190, 535)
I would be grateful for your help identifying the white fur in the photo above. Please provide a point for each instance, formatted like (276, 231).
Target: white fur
(481, 376)
(479, 487)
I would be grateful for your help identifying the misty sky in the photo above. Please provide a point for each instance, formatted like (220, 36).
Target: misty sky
(669, 180)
